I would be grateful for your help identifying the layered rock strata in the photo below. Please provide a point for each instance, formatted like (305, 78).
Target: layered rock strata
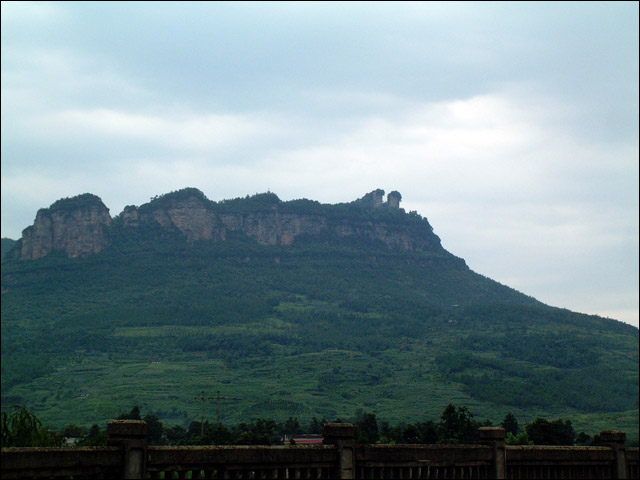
(80, 226)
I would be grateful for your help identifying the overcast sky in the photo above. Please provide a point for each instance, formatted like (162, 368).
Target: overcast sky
(513, 127)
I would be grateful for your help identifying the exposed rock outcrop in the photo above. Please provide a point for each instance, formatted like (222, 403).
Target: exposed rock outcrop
(274, 228)
(78, 226)
(191, 215)
(393, 199)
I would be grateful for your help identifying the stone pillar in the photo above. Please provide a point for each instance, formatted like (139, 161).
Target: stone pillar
(131, 435)
(494, 437)
(376, 200)
(342, 435)
(615, 440)
(393, 199)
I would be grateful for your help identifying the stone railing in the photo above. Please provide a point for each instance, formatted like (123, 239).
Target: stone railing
(128, 456)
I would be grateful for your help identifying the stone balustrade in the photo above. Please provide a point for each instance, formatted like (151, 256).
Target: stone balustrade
(128, 456)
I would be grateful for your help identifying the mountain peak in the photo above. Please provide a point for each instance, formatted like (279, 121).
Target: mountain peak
(76, 225)
(85, 200)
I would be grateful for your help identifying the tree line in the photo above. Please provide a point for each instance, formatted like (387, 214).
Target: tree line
(456, 425)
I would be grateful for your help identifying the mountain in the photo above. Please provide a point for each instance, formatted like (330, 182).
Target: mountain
(288, 309)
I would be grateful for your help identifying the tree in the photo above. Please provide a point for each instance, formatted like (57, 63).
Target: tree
(94, 431)
(94, 438)
(558, 432)
(216, 434)
(520, 439)
(391, 434)
(456, 426)
(175, 434)
(134, 414)
(366, 427)
(421, 433)
(154, 429)
(510, 424)
(316, 425)
(583, 439)
(73, 431)
(292, 426)
(194, 429)
(23, 429)
(261, 432)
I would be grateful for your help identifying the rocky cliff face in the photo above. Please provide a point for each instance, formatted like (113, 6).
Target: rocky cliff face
(192, 216)
(274, 228)
(80, 226)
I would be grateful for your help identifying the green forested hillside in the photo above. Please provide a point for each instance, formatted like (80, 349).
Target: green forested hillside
(6, 245)
(322, 328)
